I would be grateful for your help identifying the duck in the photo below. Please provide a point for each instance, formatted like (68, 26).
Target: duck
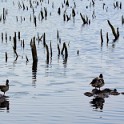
(89, 94)
(5, 88)
(97, 82)
(101, 93)
(114, 92)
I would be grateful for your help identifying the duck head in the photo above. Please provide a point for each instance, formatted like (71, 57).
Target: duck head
(100, 76)
(7, 82)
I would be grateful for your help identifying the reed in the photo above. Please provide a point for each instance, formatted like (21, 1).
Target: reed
(101, 37)
(67, 3)
(45, 11)
(15, 54)
(58, 49)
(59, 11)
(6, 37)
(19, 35)
(64, 17)
(9, 38)
(51, 50)
(122, 19)
(34, 50)
(35, 21)
(115, 33)
(6, 57)
(14, 42)
(27, 60)
(44, 39)
(57, 34)
(23, 44)
(107, 38)
(2, 36)
(64, 48)
(3, 15)
(85, 21)
(73, 12)
(47, 54)
(66, 51)
(77, 52)
(42, 16)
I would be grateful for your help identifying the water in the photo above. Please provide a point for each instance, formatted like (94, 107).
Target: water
(54, 93)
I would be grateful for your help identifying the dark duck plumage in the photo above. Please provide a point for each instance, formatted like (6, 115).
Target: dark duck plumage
(98, 82)
(5, 87)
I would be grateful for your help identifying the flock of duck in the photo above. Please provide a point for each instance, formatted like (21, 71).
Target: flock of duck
(97, 101)
(98, 94)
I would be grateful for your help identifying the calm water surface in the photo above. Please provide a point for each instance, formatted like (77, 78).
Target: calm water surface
(54, 93)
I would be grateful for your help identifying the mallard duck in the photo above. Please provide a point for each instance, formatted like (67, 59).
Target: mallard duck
(101, 93)
(89, 94)
(114, 92)
(5, 87)
(98, 82)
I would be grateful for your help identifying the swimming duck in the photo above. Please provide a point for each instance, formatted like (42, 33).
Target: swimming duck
(98, 82)
(100, 93)
(89, 94)
(5, 87)
(114, 92)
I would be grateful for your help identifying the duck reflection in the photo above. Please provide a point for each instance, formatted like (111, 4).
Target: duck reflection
(97, 102)
(99, 96)
(4, 103)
